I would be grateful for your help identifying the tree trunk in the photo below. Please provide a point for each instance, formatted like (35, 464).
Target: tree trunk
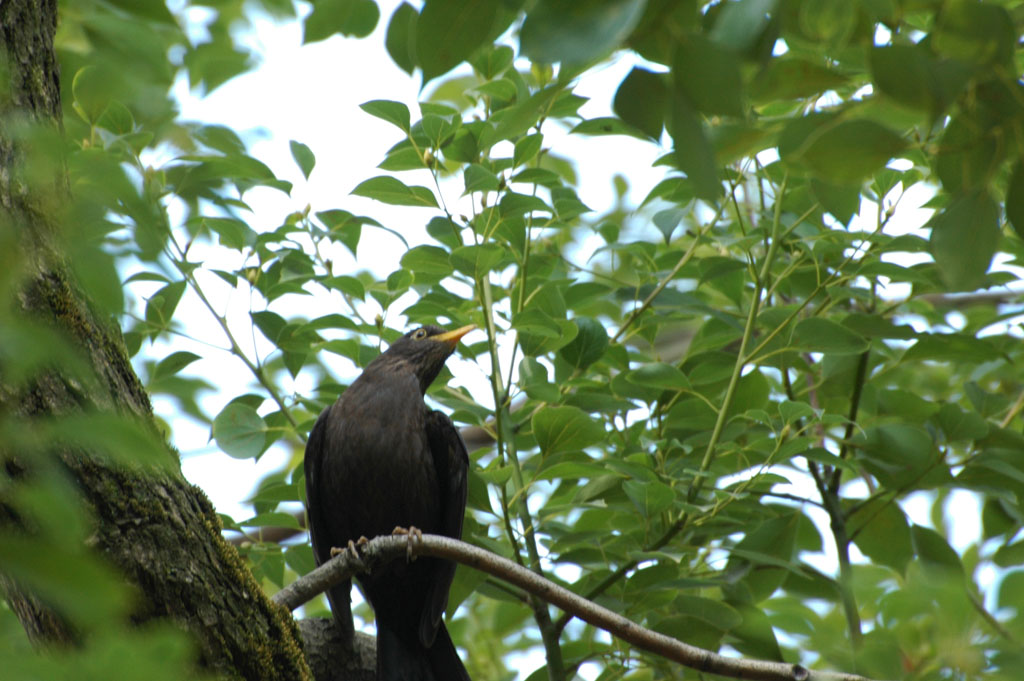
(160, 531)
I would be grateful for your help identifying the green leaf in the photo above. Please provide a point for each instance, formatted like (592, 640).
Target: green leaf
(272, 519)
(1015, 199)
(223, 139)
(117, 118)
(172, 364)
(522, 204)
(567, 204)
(448, 32)
(1009, 555)
(577, 31)
(752, 392)
(769, 546)
(519, 118)
(965, 236)
(345, 226)
(398, 282)
(968, 155)
(270, 324)
(300, 558)
(444, 231)
(438, 129)
(588, 345)
(526, 149)
(501, 91)
(988, 404)
(161, 305)
(693, 151)
(565, 429)
(91, 92)
(909, 74)
(974, 32)
(395, 192)
(477, 260)
(959, 425)
(539, 332)
(668, 220)
(880, 530)
(793, 78)
(842, 202)
(349, 17)
(899, 455)
(934, 552)
(827, 458)
(427, 260)
(828, 21)
(836, 150)
(1011, 590)
(658, 375)
(479, 179)
(403, 156)
(736, 140)
(905, 405)
(83, 587)
(401, 37)
(708, 610)
(211, 64)
(533, 378)
(792, 411)
(239, 431)
(493, 62)
(642, 100)
(395, 113)
(607, 125)
(232, 233)
(147, 276)
(111, 436)
(817, 334)
(331, 321)
(650, 497)
(538, 176)
(303, 157)
(950, 347)
(709, 76)
(740, 24)
(755, 637)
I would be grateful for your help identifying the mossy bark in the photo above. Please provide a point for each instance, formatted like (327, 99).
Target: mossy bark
(158, 529)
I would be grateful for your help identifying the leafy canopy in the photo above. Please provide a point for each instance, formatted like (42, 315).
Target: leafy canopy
(760, 364)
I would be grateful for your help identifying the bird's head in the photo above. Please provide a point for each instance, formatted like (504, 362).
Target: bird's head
(424, 351)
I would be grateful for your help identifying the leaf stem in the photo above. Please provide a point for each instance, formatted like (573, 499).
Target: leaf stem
(236, 349)
(741, 354)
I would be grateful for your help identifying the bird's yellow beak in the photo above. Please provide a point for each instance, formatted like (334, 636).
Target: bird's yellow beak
(452, 337)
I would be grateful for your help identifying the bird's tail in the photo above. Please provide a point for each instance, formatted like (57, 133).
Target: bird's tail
(401, 658)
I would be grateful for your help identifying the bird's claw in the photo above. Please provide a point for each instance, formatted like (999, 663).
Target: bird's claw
(413, 534)
(353, 550)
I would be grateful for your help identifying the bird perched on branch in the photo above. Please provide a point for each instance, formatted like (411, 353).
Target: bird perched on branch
(378, 459)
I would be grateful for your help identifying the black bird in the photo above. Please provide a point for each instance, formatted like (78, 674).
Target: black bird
(378, 459)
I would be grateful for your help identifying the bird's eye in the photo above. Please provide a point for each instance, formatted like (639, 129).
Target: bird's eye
(419, 334)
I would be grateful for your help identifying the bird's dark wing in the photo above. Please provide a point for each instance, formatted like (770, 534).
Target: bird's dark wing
(313, 463)
(319, 523)
(451, 462)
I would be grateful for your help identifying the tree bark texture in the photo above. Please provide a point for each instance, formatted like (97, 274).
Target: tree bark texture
(160, 531)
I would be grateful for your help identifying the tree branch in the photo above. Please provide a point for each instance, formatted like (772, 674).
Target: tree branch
(383, 549)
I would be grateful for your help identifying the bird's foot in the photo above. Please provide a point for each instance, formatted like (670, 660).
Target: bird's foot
(413, 534)
(354, 552)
